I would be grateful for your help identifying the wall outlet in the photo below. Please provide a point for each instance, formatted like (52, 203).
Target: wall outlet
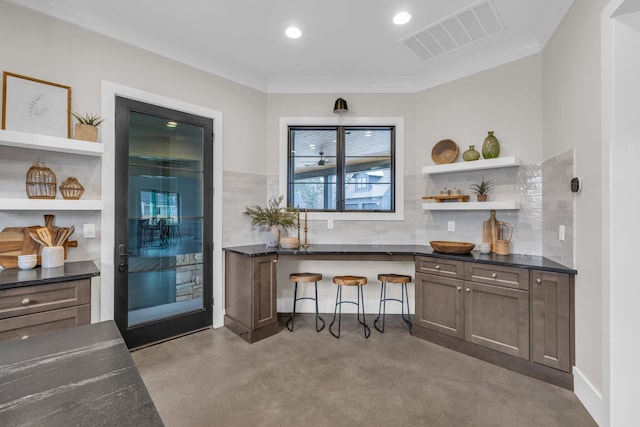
(561, 233)
(451, 226)
(89, 231)
(330, 224)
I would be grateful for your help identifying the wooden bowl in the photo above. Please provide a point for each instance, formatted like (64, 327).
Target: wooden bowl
(451, 247)
(289, 242)
(445, 151)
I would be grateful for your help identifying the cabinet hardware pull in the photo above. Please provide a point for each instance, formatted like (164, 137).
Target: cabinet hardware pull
(437, 267)
(468, 290)
(494, 275)
(24, 337)
(25, 301)
(538, 281)
(459, 288)
(274, 261)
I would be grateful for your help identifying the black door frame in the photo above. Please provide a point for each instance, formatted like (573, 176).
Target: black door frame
(147, 333)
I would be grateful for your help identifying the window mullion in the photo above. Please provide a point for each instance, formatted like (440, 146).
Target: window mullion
(340, 168)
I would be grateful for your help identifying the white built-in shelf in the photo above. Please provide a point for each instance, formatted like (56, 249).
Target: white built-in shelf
(32, 141)
(50, 205)
(471, 206)
(500, 162)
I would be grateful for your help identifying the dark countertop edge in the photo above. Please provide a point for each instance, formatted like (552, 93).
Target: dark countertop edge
(78, 270)
(514, 260)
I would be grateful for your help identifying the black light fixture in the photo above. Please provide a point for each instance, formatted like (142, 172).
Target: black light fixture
(340, 107)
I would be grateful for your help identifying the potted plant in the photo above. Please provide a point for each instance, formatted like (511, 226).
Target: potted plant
(482, 189)
(271, 217)
(87, 127)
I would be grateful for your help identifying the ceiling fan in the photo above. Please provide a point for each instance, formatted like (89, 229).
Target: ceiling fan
(323, 161)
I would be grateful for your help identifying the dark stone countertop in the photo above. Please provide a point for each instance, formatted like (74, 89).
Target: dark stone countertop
(14, 278)
(82, 376)
(513, 260)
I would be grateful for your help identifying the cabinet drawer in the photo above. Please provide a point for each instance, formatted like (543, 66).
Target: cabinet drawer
(440, 267)
(23, 327)
(517, 278)
(39, 298)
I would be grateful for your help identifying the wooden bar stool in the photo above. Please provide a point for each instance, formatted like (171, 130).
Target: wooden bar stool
(359, 282)
(304, 278)
(393, 278)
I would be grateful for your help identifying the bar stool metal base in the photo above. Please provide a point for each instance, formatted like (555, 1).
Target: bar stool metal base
(403, 280)
(305, 277)
(359, 302)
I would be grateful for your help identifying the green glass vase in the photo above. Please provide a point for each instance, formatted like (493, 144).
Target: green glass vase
(471, 154)
(490, 147)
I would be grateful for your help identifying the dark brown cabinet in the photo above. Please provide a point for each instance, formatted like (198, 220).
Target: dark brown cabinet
(497, 317)
(39, 309)
(519, 318)
(250, 295)
(440, 304)
(551, 324)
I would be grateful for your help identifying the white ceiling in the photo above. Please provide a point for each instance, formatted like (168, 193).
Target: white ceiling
(346, 45)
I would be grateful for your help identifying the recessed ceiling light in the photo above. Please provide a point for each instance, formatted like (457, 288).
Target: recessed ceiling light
(293, 32)
(172, 124)
(401, 18)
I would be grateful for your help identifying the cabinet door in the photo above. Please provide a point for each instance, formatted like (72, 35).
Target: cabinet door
(550, 319)
(264, 291)
(497, 318)
(439, 304)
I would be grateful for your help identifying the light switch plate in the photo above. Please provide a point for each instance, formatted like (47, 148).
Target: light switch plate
(561, 233)
(330, 224)
(451, 226)
(89, 231)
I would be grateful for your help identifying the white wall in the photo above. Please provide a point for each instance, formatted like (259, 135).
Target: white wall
(572, 108)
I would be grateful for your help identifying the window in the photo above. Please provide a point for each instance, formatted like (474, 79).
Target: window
(341, 168)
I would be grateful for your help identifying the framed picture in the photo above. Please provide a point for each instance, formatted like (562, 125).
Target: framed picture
(35, 106)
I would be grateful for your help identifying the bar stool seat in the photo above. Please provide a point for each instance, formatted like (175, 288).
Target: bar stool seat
(359, 282)
(393, 278)
(304, 278)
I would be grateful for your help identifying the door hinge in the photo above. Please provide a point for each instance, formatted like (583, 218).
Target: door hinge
(213, 301)
(213, 137)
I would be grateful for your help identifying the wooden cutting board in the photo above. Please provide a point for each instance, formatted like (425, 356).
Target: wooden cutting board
(11, 239)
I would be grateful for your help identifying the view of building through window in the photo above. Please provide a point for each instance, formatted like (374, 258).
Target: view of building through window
(341, 168)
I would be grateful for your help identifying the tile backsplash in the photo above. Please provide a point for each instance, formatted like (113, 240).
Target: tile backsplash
(523, 183)
(558, 208)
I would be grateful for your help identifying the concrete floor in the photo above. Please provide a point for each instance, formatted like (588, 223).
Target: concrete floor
(306, 378)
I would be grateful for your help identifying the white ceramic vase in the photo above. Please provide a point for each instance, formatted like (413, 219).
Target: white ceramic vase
(273, 236)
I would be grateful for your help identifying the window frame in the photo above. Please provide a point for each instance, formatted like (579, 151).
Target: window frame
(397, 122)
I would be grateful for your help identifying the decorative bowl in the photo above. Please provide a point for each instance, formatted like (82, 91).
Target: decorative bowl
(451, 247)
(445, 151)
(289, 242)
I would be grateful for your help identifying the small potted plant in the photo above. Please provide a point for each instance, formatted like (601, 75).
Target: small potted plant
(271, 217)
(87, 127)
(482, 189)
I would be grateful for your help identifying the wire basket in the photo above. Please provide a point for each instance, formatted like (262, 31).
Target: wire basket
(40, 182)
(71, 189)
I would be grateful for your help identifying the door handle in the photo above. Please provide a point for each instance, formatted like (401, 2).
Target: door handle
(123, 254)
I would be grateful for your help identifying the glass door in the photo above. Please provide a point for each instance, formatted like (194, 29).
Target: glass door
(163, 277)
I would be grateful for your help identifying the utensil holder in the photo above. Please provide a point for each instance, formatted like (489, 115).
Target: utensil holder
(52, 256)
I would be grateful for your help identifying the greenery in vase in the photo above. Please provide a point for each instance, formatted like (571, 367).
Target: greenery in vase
(272, 214)
(88, 119)
(485, 186)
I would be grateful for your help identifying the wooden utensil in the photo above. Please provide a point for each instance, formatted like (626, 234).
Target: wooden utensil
(45, 235)
(37, 239)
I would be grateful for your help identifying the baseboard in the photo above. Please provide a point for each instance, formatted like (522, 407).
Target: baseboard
(589, 396)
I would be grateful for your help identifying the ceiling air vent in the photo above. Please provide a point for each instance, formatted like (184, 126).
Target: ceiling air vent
(473, 23)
